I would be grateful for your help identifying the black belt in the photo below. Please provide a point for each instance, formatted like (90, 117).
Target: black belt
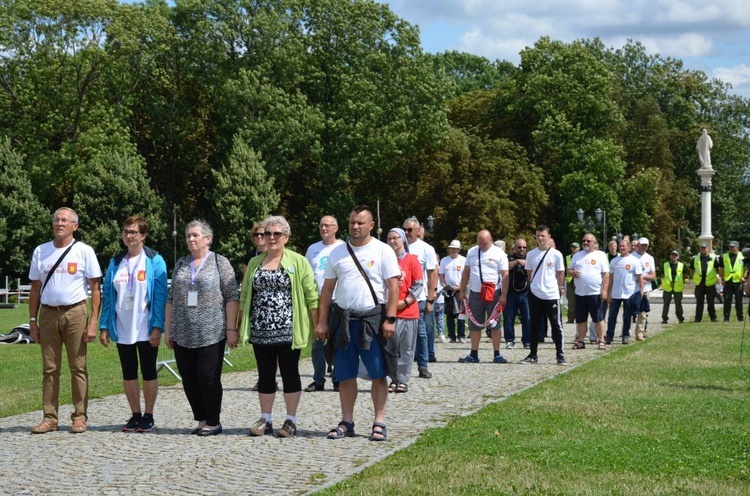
(63, 308)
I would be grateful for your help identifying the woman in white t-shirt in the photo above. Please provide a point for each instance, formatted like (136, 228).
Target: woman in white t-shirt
(134, 295)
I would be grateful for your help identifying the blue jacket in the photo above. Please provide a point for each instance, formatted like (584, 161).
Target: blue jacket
(156, 280)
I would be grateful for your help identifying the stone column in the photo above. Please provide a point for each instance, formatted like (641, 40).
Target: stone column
(706, 175)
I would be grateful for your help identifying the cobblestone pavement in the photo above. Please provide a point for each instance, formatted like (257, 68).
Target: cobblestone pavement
(169, 461)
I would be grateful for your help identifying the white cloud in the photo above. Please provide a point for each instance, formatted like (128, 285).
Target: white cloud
(737, 75)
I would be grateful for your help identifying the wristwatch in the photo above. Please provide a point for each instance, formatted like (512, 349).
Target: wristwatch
(390, 319)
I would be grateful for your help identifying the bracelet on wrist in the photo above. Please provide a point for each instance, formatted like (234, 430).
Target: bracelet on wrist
(32, 319)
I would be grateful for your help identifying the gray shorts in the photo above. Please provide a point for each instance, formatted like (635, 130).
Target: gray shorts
(482, 310)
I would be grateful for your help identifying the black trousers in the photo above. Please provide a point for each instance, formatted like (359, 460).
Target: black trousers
(267, 357)
(708, 292)
(545, 310)
(733, 290)
(668, 296)
(200, 369)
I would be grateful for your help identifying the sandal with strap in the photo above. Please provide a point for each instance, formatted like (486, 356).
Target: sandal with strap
(381, 434)
(602, 345)
(339, 433)
(393, 387)
(579, 345)
(402, 388)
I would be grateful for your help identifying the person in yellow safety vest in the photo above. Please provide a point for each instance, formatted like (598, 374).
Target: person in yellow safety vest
(570, 293)
(706, 277)
(673, 282)
(732, 270)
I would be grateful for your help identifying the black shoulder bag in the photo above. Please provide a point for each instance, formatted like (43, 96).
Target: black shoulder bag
(362, 271)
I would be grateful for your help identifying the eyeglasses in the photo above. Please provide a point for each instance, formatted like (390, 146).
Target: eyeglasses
(408, 229)
(64, 222)
(276, 234)
(130, 232)
(258, 235)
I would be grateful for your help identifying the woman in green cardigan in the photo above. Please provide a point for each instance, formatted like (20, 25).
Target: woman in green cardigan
(279, 310)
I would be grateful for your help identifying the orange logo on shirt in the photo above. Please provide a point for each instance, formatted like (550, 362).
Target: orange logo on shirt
(627, 266)
(370, 263)
(593, 262)
(458, 268)
(72, 268)
(141, 275)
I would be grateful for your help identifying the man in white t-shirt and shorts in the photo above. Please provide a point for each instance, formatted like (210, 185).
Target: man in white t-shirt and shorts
(589, 268)
(482, 313)
(63, 318)
(364, 318)
(546, 269)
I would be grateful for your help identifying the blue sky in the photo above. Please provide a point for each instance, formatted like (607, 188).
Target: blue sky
(713, 37)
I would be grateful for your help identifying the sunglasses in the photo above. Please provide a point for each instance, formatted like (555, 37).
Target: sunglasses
(587, 241)
(258, 235)
(276, 234)
(408, 229)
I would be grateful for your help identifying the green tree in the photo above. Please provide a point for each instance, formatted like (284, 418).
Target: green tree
(109, 188)
(24, 222)
(243, 193)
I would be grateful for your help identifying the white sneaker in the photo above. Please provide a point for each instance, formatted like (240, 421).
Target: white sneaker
(462, 340)
(443, 339)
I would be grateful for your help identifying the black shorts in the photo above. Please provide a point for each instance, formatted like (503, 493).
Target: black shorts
(588, 306)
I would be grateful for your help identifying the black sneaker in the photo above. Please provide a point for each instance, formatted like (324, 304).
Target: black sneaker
(561, 359)
(146, 423)
(133, 423)
(314, 386)
(530, 359)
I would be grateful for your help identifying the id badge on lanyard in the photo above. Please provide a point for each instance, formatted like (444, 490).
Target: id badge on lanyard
(192, 296)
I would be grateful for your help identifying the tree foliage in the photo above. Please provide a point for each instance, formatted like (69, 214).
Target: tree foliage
(231, 109)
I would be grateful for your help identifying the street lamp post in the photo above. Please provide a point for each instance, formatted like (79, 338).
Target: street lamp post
(601, 220)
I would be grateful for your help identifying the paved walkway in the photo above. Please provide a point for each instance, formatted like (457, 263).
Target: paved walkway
(169, 461)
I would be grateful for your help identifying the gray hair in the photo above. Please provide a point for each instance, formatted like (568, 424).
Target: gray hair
(277, 220)
(73, 212)
(412, 219)
(204, 227)
(500, 244)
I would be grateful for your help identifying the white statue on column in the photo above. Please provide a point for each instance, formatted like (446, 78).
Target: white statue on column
(705, 172)
(704, 149)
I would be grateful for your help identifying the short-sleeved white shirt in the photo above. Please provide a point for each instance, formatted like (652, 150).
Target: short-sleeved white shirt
(648, 265)
(427, 259)
(452, 268)
(132, 325)
(318, 255)
(69, 283)
(378, 261)
(591, 267)
(544, 284)
(494, 260)
(624, 272)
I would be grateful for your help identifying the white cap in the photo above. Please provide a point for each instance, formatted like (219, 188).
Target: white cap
(643, 241)
(455, 244)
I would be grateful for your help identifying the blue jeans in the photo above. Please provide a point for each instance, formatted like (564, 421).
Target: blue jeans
(517, 304)
(319, 358)
(436, 322)
(422, 354)
(614, 309)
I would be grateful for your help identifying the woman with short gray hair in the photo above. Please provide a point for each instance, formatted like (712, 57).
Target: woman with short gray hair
(200, 321)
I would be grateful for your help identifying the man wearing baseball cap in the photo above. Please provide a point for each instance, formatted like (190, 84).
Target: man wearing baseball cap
(648, 267)
(705, 277)
(732, 270)
(672, 286)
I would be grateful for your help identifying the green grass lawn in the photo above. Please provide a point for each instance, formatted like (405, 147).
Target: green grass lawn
(21, 369)
(670, 416)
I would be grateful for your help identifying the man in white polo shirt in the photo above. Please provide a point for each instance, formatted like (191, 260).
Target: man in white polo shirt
(63, 318)
(590, 271)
